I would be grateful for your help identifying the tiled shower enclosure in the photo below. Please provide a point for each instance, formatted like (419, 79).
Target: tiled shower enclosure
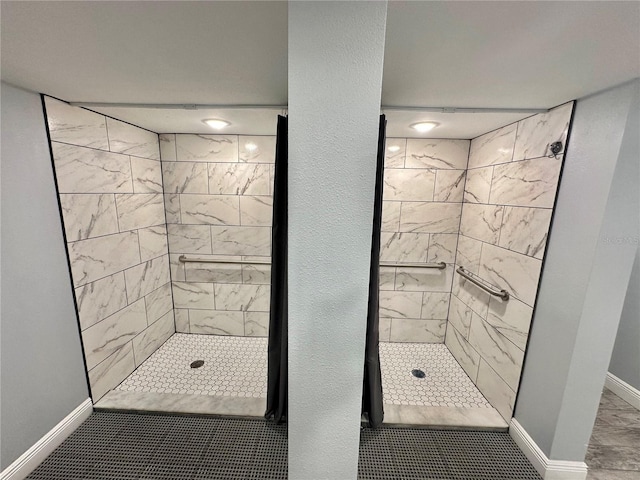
(134, 203)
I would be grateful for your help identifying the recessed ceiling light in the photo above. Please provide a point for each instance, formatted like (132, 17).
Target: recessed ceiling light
(394, 148)
(250, 147)
(216, 123)
(423, 127)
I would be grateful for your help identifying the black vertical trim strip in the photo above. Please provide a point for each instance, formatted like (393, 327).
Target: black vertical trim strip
(64, 237)
(372, 395)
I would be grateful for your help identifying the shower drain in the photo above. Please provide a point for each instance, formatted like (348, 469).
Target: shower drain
(197, 364)
(416, 372)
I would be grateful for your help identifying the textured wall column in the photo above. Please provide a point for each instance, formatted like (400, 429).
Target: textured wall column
(335, 77)
(590, 254)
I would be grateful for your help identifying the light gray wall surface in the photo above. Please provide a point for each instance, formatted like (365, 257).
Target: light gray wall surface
(42, 371)
(585, 276)
(335, 78)
(625, 360)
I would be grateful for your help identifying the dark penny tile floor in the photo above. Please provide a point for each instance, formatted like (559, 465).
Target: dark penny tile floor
(614, 449)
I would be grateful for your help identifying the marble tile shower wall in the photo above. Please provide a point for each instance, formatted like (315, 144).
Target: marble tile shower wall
(508, 201)
(218, 200)
(422, 204)
(110, 185)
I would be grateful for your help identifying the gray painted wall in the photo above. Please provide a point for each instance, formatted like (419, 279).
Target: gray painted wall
(335, 79)
(42, 372)
(625, 360)
(585, 276)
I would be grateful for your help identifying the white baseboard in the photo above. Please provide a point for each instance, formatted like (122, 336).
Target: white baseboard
(29, 460)
(623, 390)
(548, 469)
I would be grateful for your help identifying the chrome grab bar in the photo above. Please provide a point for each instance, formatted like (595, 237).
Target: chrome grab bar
(483, 284)
(184, 259)
(439, 265)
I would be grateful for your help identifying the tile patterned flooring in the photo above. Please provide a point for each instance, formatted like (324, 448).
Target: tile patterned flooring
(445, 384)
(237, 367)
(233, 367)
(614, 449)
(232, 381)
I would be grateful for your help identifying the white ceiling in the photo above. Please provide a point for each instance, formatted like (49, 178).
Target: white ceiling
(439, 54)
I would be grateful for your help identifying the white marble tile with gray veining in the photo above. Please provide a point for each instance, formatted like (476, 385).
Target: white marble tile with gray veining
(430, 217)
(404, 247)
(514, 272)
(387, 278)
(496, 390)
(247, 298)
(442, 247)
(464, 353)
(384, 329)
(146, 277)
(525, 230)
(448, 417)
(424, 279)
(460, 316)
(391, 216)
(256, 211)
(85, 170)
(167, 147)
(172, 208)
(272, 177)
(216, 322)
(239, 179)
(435, 305)
(139, 210)
(396, 149)
(495, 349)
(482, 222)
(193, 295)
(468, 254)
(256, 324)
(95, 258)
(449, 186)
(148, 341)
(153, 242)
(97, 300)
(206, 148)
(185, 177)
(147, 175)
(493, 147)
(182, 320)
(189, 239)
(409, 185)
(158, 302)
(177, 268)
(210, 209)
(472, 295)
(478, 185)
(437, 153)
(111, 372)
(529, 183)
(76, 125)
(88, 215)
(536, 133)
(214, 272)
(257, 148)
(241, 240)
(256, 274)
(400, 304)
(132, 140)
(417, 331)
(512, 319)
(107, 336)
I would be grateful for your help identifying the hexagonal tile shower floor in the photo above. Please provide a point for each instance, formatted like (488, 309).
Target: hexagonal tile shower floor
(233, 381)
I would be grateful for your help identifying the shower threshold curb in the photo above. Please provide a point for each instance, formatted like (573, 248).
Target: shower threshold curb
(449, 418)
(139, 402)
